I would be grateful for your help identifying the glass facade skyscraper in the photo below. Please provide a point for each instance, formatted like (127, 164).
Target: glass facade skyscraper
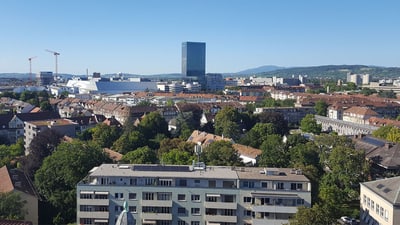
(194, 59)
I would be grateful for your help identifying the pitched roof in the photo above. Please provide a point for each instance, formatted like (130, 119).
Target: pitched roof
(247, 150)
(388, 189)
(361, 111)
(115, 156)
(37, 116)
(4, 119)
(375, 121)
(15, 179)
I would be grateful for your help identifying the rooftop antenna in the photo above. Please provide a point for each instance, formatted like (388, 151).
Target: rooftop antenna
(30, 67)
(55, 54)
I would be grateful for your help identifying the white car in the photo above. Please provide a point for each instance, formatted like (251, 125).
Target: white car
(346, 219)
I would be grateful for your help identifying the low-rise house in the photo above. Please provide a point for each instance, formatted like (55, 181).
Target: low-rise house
(14, 180)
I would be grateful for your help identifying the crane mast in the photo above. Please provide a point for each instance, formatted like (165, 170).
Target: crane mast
(56, 54)
(30, 67)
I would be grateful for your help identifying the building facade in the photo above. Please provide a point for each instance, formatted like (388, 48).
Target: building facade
(191, 195)
(44, 78)
(380, 202)
(194, 59)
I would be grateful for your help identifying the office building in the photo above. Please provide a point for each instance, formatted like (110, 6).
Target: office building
(194, 60)
(191, 195)
(44, 78)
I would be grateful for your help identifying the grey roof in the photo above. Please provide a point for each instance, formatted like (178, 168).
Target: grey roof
(211, 172)
(37, 116)
(388, 189)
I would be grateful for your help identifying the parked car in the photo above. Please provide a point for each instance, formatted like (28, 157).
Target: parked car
(348, 220)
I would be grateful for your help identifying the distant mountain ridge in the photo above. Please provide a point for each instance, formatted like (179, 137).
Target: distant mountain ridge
(325, 71)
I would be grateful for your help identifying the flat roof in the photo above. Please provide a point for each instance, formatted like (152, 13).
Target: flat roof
(210, 172)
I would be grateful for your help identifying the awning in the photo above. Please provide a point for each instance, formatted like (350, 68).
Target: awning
(273, 194)
(87, 192)
(213, 195)
(211, 223)
(100, 221)
(101, 192)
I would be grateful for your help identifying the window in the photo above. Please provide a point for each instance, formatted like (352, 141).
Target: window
(119, 195)
(365, 200)
(368, 203)
(85, 196)
(150, 181)
(264, 184)
(247, 199)
(165, 182)
(164, 196)
(299, 186)
(196, 198)
(181, 210)
(181, 197)
(182, 183)
(372, 205)
(101, 196)
(386, 215)
(377, 208)
(132, 181)
(132, 209)
(382, 211)
(85, 208)
(132, 196)
(293, 186)
(247, 213)
(279, 185)
(197, 181)
(195, 211)
(195, 223)
(118, 208)
(148, 196)
(181, 222)
(300, 201)
(248, 184)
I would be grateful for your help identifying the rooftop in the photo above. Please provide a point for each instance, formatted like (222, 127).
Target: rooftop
(209, 172)
(388, 189)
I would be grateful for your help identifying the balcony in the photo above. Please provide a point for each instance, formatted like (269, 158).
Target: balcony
(157, 203)
(274, 208)
(221, 219)
(220, 205)
(97, 215)
(268, 221)
(157, 216)
(93, 201)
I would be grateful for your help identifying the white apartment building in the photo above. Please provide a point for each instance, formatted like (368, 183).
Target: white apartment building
(380, 202)
(191, 195)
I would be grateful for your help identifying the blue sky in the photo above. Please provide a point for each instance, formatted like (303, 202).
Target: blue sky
(145, 37)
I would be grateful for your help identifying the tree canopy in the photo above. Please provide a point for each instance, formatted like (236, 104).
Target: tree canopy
(221, 153)
(309, 124)
(11, 206)
(57, 178)
(142, 155)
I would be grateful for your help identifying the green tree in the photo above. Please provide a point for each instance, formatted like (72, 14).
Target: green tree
(142, 155)
(387, 94)
(258, 134)
(45, 106)
(129, 142)
(274, 153)
(321, 108)
(178, 157)
(221, 153)
(382, 132)
(309, 124)
(153, 124)
(105, 135)
(227, 123)
(316, 215)
(11, 206)
(40, 147)
(368, 91)
(167, 145)
(275, 118)
(57, 178)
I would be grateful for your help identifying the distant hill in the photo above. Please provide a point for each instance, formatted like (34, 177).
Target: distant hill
(260, 69)
(326, 71)
(335, 71)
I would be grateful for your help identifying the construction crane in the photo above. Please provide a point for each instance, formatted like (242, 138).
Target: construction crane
(30, 67)
(55, 54)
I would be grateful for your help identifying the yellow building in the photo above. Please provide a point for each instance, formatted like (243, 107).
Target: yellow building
(14, 180)
(380, 202)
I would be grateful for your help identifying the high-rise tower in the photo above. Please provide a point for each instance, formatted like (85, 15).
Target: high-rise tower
(194, 60)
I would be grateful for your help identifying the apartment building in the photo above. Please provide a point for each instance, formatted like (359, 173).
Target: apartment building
(191, 195)
(380, 202)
